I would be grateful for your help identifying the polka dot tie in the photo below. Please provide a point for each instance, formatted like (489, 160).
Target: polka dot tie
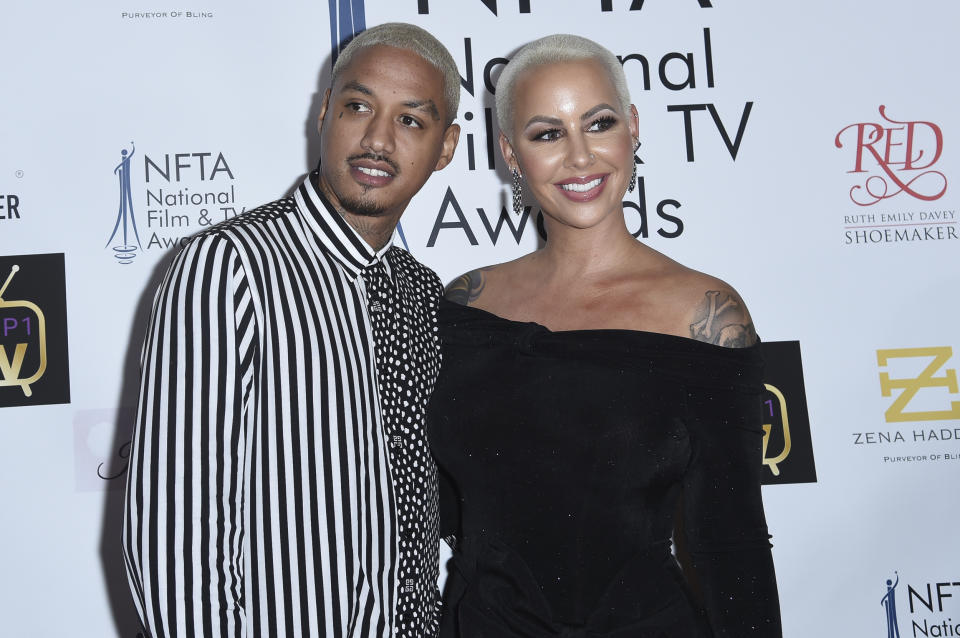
(394, 378)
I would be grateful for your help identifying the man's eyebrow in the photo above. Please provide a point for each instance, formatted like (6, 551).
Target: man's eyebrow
(597, 109)
(356, 86)
(426, 105)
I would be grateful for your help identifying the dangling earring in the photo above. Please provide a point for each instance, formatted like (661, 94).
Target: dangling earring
(517, 192)
(633, 176)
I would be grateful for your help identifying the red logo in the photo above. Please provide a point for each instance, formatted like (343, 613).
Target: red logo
(904, 153)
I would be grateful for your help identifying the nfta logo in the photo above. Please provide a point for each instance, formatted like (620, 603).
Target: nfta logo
(896, 157)
(423, 6)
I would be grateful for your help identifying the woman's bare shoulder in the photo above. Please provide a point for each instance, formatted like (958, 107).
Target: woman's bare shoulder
(468, 287)
(713, 310)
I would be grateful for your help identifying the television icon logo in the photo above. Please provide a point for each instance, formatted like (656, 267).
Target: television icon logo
(786, 449)
(21, 322)
(781, 410)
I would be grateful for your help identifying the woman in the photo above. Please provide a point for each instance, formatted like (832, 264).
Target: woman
(590, 386)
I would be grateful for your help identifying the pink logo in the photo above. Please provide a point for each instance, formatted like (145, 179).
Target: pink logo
(904, 153)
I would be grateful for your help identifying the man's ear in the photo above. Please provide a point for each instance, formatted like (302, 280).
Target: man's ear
(450, 138)
(323, 110)
(506, 148)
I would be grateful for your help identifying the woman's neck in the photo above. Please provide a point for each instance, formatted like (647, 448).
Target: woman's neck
(584, 253)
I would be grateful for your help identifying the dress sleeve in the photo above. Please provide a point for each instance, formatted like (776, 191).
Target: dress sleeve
(183, 517)
(449, 502)
(724, 524)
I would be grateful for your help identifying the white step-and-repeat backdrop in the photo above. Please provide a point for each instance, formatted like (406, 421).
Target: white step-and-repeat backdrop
(803, 151)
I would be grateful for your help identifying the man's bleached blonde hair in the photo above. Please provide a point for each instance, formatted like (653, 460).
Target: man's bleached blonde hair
(412, 38)
(561, 47)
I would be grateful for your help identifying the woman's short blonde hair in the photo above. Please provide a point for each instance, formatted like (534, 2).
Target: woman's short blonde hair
(561, 47)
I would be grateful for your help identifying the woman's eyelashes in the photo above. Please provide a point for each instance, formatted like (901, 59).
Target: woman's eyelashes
(547, 136)
(599, 125)
(603, 123)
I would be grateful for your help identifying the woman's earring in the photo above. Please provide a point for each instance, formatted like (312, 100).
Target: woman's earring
(633, 176)
(517, 192)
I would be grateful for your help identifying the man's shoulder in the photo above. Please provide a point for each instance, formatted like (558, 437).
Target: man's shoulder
(246, 223)
(258, 217)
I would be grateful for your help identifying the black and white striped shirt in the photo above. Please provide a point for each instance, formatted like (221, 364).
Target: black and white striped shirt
(262, 497)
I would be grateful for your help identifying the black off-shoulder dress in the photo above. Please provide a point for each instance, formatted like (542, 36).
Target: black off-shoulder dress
(568, 456)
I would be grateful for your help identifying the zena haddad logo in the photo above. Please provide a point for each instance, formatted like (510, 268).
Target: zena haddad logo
(893, 157)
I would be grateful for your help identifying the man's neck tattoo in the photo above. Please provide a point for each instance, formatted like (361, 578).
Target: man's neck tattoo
(372, 233)
(361, 217)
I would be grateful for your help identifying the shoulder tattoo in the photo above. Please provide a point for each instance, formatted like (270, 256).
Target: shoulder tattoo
(722, 320)
(467, 287)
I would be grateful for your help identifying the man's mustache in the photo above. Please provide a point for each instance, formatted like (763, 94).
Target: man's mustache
(377, 158)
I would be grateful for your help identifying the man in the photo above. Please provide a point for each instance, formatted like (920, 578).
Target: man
(280, 479)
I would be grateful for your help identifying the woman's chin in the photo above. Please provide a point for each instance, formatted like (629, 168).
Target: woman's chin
(583, 216)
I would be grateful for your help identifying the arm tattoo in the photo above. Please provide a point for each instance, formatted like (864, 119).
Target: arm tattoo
(723, 322)
(467, 287)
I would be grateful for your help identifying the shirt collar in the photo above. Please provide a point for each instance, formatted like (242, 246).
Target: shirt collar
(336, 236)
